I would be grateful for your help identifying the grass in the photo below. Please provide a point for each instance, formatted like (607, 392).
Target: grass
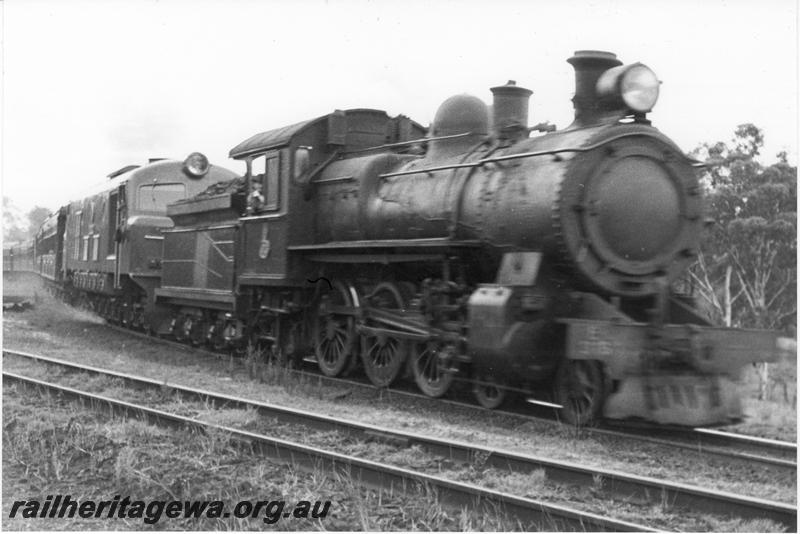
(55, 448)
(23, 284)
(774, 417)
(262, 367)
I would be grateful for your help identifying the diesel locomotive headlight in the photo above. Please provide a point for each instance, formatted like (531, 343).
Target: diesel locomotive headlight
(633, 86)
(196, 165)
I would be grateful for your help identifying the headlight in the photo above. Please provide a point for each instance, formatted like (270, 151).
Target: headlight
(633, 86)
(196, 165)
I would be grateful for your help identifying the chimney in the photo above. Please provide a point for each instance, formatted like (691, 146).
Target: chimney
(510, 111)
(589, 65)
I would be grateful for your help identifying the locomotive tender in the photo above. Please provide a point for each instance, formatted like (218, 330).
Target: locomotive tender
(470, 250)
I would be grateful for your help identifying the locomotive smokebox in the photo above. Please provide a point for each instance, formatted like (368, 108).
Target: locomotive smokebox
(589, 65)
(510, 111)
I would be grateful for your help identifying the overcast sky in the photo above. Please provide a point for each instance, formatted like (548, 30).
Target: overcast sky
(91, 86)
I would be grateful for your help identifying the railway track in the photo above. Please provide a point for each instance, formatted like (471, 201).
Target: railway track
(612, 483)
(735, 448)
(372, 474)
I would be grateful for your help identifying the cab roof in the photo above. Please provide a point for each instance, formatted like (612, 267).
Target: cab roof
(283, 136)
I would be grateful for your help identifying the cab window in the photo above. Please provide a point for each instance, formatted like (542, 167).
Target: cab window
(266, 172)
(155, 197)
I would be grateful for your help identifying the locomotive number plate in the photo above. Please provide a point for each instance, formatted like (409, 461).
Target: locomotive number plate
(264, 247)
(618, 346)
(594, 343)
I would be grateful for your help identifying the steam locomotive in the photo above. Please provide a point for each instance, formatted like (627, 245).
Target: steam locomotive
(472, 250)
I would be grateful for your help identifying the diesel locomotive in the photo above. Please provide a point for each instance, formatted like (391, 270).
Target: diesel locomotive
(516, 258)
(103, 251)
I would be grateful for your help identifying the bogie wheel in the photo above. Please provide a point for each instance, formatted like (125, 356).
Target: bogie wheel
(383, 355)
(116, 313)
(138, 319)
(333, 333)
(128, 315)
(148, 329)
(187, 327)
(108, 307)
(428, 375)
(580, 390)
(489, 394)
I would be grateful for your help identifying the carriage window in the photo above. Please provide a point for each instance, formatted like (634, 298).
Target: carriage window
(78, 219)
(112, 222)
(97, 209)
(265, 170)
(85, 248)
(155, 197)
(95, 247)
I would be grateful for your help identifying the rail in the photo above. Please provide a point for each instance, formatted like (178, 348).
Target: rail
(613, 483)
(369, 473)
(690, 439)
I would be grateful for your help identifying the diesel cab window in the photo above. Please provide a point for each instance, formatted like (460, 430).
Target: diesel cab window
(155, 197)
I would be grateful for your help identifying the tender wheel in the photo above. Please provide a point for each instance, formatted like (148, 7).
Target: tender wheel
(430, 379)
(580, 390)
(334, 334)
(488, 394)
(197, 335)
(384, 355)
(261, 332)
(216, 336)
(178, 329)
(188, 327)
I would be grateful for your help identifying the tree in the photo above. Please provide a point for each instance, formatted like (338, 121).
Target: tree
(15, 228)
(746, 270)
(12, 223)
(36, 217)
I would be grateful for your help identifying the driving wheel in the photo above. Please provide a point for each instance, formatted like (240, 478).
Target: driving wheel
(334, 333)
(383, 355)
